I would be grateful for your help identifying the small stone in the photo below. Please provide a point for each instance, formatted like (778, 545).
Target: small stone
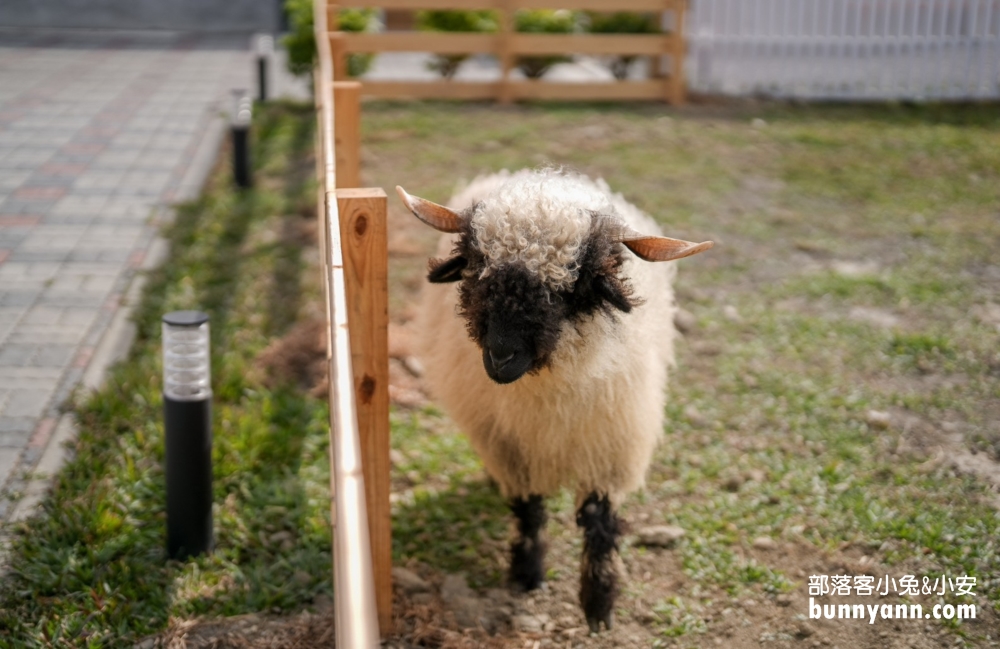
(783, 600)
(462, 602)
(422, 599)
(878, 419)
(692, 415)
(733, 483)
(756, 475)
(408, 581)
(454, 587)
(278, 537)
(397, 458)
(468, 612)
(531, 623)
(413, 366)
(685, 321)
(764, 543)
(855, 269)
(731, 314)
(758, 123)
(302, 577)
(659, 536)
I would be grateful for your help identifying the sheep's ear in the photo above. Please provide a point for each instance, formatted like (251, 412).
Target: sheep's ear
(437, 216)
(664, 248)
(448, 270)
(612, 294)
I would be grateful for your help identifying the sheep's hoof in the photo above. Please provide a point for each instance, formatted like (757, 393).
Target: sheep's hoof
(595, 622)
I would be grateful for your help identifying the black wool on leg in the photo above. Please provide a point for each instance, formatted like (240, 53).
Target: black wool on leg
(598, 574)
(527, 551)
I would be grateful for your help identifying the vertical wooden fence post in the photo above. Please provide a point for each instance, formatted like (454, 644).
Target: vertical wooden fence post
(507, 29)
(338, 52)
(363, 234)
(676, 92)
(347, 132)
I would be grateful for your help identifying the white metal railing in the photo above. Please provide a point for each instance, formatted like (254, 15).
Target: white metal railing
(846, 49)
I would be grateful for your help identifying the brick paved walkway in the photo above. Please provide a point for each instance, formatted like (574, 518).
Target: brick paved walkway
(98, 135)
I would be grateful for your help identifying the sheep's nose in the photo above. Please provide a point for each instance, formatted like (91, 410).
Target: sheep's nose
(500, 361)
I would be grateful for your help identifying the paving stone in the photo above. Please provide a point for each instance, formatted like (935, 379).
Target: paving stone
(15, 206)
(43, 315)
(13, 298)
(39, 254)
(26, 403)
(16, 355)
(46, 334)
(12, 314)
(16, 425)
(54, 355)
(8, 460)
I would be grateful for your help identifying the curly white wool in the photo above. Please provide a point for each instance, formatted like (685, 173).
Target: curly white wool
(538, 219)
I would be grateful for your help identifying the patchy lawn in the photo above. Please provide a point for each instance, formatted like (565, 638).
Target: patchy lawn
(835, 409)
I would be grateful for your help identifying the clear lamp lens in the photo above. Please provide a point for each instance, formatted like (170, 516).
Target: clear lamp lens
(186, 363)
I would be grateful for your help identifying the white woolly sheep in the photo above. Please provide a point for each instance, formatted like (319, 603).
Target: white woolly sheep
(548, 343)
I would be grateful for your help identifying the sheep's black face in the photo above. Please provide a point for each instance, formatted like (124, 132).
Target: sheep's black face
(514, 318)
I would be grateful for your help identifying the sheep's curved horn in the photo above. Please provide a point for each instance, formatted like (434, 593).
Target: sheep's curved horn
(437, 216)
(662, 248)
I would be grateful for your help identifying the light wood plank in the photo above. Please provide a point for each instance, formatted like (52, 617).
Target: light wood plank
(417, 5)
(429, 89)
(364, 239)
(590, 43)
(450, 43)
(347, 132)
(594, 5)
(597, 91)
(580, 5)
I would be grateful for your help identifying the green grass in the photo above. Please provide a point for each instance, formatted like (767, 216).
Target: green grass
(781, 389)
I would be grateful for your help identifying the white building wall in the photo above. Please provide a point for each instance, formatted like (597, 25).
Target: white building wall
(845, 49)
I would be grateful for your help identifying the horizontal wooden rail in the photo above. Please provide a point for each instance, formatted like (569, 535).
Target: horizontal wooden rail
(520, 44)
(578, 5)
(419, 42)
(595, 91)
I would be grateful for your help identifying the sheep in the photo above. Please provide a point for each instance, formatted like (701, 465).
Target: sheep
(548, 343)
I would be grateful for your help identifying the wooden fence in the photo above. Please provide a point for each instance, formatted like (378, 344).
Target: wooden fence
(507, 45)
(354, 253)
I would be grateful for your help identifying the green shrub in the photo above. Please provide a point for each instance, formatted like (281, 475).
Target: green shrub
(301, 41)
(622, 22)
(544, 21)
(449, 20)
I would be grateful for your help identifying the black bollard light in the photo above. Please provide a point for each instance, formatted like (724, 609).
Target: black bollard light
(240, 121)
(264, 46)
(187, 410)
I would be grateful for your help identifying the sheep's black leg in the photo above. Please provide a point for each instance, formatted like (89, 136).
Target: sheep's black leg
(527, 551)
(598, 574)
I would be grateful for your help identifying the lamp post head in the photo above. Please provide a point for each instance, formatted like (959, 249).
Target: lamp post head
(186, 362)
